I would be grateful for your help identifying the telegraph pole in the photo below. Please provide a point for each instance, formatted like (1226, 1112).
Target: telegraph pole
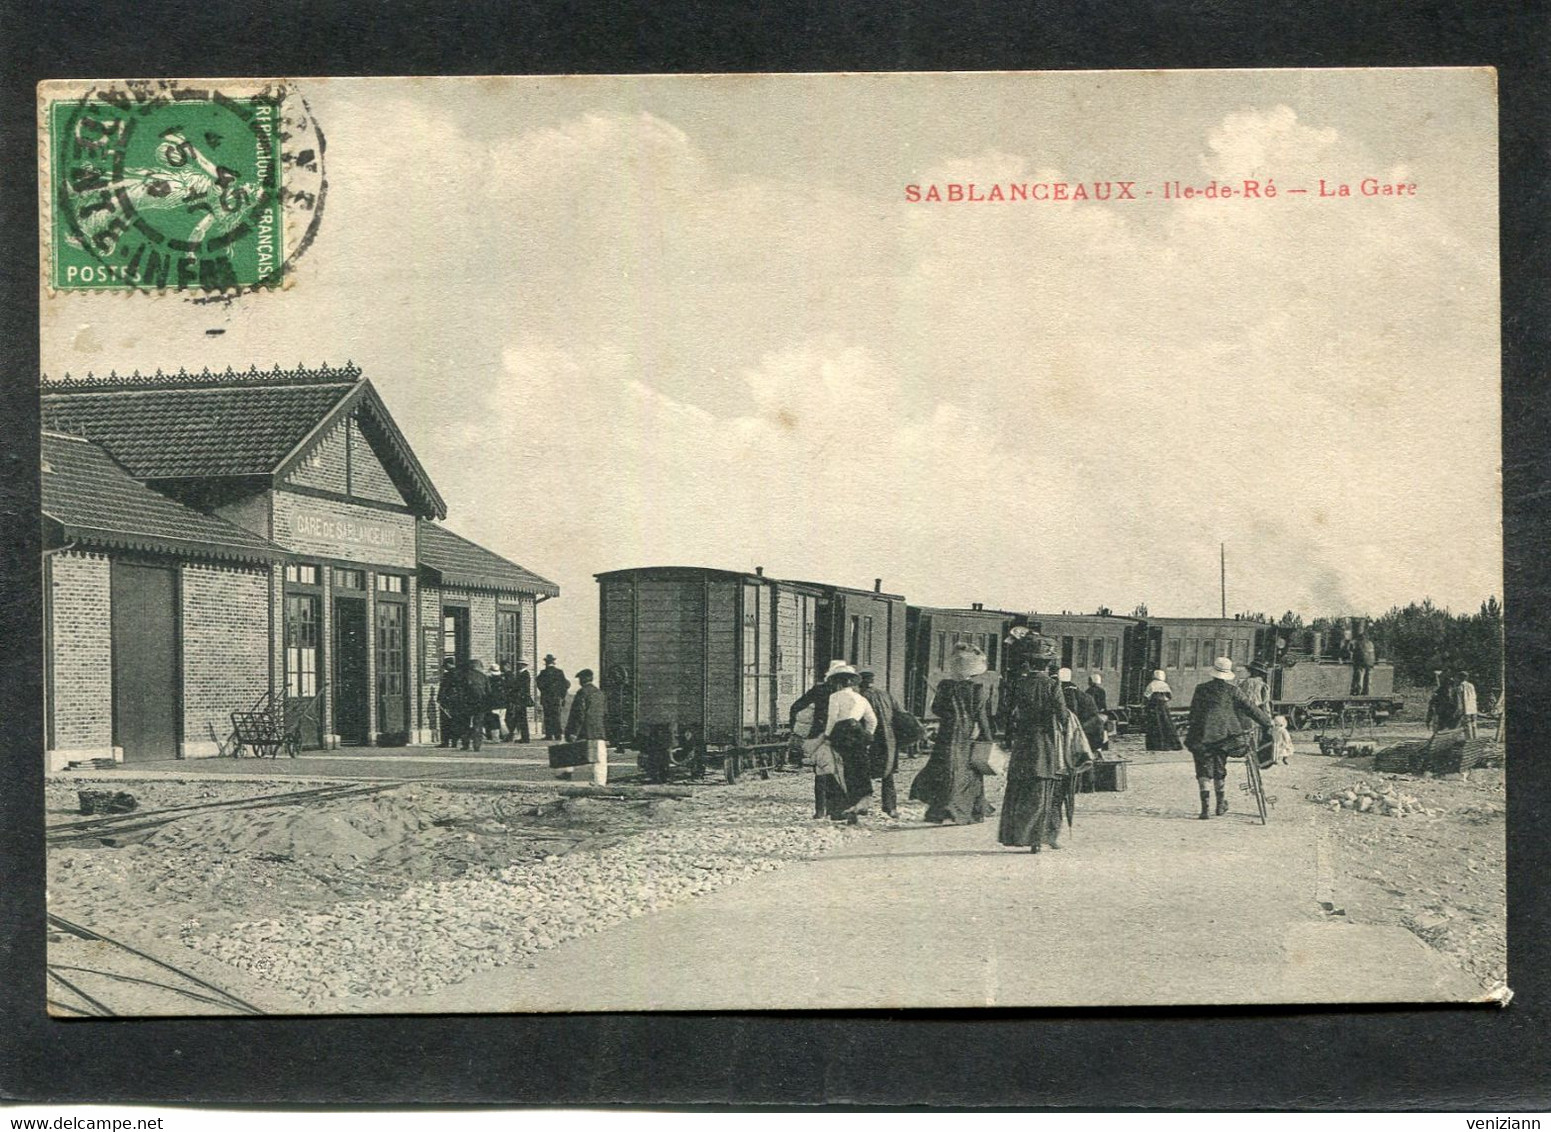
(1222, 576)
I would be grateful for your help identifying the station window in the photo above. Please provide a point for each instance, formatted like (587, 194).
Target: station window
(390, 583)
(349, 579)
(302, 616)
(1174, 644)
(301, 575)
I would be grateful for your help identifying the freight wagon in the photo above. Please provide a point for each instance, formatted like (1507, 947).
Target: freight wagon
(930, 635)
(703, 665)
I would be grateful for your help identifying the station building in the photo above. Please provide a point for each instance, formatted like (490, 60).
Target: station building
(216, 540)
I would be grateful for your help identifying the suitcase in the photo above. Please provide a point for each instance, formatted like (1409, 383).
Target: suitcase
(578, 753)
(1108, 776)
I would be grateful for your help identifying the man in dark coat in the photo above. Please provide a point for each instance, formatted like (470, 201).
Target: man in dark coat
(553, 686)
(588, 723)
(883, 754)
(476, 703)
(519, 698)
(1364, 657)
(1222, 725)
(449, 703)
(817, 698)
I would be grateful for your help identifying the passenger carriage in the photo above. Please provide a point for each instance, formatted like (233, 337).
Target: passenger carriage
(931, 633)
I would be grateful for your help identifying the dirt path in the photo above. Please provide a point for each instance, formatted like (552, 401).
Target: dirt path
(1145, 906)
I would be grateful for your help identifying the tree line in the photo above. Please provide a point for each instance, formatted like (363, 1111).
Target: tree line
(1423, 638)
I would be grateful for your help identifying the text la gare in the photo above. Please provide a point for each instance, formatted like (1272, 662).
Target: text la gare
(1368, 187)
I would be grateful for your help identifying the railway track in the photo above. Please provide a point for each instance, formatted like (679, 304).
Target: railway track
(198, 990)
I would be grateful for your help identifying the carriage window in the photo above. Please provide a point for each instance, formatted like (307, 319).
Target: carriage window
(1191, 651)
(1173, 653)
(1097, 657)
(1066, 652)
(1082, 653)
(866, 652)
(1114, 652)
(991, 647)
(942, 650)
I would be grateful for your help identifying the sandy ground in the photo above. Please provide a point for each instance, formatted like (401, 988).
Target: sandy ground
(1147, 904)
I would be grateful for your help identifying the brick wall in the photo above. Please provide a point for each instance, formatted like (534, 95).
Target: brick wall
(333, 529)
(81, 634)
(482, 636)
(324, 466)
(251, 514)
(368, 478)
(226, 641)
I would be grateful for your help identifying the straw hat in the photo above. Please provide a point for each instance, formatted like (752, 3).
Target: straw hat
(839, 668)
(1222, 668)
(968, 661)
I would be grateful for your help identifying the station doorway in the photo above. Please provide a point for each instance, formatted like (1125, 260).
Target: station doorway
(352, 688)
(144, 632)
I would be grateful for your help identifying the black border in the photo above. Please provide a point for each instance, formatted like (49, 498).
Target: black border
(1474, 1058)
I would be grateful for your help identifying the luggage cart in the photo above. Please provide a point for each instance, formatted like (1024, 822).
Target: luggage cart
(267, 728)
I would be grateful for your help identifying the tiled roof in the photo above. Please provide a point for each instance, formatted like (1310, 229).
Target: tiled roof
(460, 562)
(228, 424)
(160, 429)
(97, 503)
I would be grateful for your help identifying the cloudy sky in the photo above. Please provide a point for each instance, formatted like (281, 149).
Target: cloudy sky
(696, 321)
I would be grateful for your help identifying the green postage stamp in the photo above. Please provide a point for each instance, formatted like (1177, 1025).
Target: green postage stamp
(183, 187)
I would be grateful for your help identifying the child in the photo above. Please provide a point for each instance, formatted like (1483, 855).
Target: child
(1281, 741)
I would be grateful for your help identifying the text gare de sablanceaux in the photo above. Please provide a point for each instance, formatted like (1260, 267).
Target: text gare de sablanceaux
(973, 192)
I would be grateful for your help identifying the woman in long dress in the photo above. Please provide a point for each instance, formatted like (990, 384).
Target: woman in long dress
(1161, 733)
(951, 788)
(1047, 747)
(848, 730)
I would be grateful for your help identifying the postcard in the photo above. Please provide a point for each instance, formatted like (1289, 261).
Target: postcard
(772, 542)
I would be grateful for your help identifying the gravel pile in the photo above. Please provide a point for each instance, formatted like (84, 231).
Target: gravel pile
(440, 933)
(1384, 800)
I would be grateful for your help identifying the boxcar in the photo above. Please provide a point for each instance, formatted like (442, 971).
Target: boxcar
(865, 628)
(930, 635)
(712, 658)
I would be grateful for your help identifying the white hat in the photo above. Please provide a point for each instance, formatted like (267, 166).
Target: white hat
(967, 661)
(839, 667)
(1159, 674)
(1095, 678)
(1222, 668)
(1065, 675)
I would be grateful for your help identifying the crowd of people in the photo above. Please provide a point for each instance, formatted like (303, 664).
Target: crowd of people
(478, 703)
(1034, 728)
